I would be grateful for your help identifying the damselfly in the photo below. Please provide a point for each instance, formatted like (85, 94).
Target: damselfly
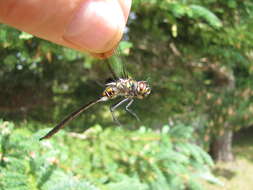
(124, 87)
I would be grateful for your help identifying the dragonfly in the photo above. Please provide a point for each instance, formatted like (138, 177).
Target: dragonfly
(125, 87)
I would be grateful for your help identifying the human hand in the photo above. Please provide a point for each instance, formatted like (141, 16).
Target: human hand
(93, 26)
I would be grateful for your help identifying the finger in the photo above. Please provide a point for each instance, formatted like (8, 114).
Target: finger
(125, 5)
(94, 26)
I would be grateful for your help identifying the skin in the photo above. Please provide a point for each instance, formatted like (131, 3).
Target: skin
(93, 26)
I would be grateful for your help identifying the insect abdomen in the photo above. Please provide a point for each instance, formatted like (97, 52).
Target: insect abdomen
(109, 92)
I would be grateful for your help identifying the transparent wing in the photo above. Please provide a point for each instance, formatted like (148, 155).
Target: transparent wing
(114, 75)
(117, 63)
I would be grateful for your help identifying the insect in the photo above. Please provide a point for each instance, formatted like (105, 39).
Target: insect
(124, 87)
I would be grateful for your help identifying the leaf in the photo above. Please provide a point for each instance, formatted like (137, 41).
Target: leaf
(127, 183)
(124, 47)
(25, 36)
(207, 15)
(210, 178)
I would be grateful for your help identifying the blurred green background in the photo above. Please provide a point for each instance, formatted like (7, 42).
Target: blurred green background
(196, 55)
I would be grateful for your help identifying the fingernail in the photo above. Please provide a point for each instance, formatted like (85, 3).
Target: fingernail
(95, 25)
(104, 55)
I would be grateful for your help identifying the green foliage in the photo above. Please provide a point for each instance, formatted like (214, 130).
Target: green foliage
(191, 51)
(196, 54)
(109, 159)
(200, 12)
(200, 52)
(26, 164)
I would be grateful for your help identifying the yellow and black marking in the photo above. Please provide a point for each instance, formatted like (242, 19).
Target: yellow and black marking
(109, 92)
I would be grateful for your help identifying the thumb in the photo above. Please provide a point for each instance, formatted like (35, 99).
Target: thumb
(94, 26)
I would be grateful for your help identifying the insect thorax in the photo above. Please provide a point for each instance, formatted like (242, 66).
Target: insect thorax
(121, 87)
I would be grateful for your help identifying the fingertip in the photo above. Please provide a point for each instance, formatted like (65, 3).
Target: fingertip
(126, 6)
(95, 26)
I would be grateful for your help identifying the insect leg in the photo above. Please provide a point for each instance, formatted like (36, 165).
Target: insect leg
(131, 111)
(112, 109)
